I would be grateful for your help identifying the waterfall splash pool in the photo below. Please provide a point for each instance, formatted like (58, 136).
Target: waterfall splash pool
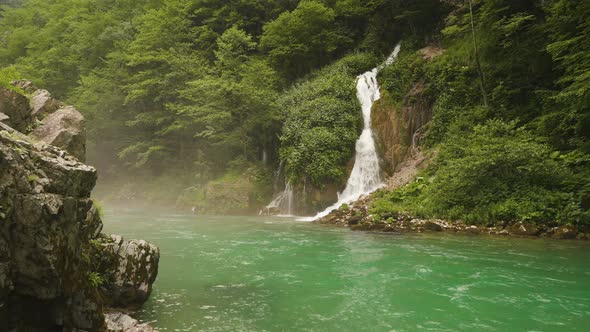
(278, 274)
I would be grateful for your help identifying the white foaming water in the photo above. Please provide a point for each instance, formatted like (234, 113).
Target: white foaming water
(282, 203)
(365, 176)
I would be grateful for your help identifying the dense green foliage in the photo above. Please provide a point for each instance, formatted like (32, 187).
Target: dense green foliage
(196, 93)
(321, 122)
(525, 155)
(497, 172)
(189, 89)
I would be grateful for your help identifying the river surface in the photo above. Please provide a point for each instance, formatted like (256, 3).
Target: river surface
(276, 274)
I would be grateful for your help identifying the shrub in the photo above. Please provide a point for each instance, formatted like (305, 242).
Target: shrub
(322, 122)
(501, 172)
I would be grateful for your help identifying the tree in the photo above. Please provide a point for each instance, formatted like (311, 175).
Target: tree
(568, 121)
(301, 40)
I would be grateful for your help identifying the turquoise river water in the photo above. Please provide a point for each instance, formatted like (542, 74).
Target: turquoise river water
(278, 274)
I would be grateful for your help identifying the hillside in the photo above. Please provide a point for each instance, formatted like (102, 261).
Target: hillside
(217, 105)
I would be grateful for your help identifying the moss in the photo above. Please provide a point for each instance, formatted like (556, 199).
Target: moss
(99, 208)
(32, 178)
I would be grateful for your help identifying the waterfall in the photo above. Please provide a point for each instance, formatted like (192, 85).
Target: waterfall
(365, 176)
(282, 204)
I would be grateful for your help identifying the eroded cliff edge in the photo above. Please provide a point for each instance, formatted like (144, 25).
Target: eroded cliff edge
(50, 230)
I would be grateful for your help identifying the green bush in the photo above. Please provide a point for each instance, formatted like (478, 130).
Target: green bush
(7, 75)
(95, 279)
(501, 172)
(322, 122)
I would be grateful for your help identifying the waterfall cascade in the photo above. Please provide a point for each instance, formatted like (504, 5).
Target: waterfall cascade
(365, 176)
(282, 204)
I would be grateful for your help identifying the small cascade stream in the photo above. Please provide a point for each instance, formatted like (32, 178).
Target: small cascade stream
(282, 204)
(365, 176)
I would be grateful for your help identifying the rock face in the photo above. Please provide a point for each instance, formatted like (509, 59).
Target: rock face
(46, 223)
(15, 108)
(398, 131)
(49, 274)
(129, 267)
(399, 124)
(48, 120)
(64, 128)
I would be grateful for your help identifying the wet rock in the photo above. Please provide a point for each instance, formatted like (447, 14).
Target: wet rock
(130, 268)
(472, 230)
(43, 104)
(432, 226)
(564, 233)
(523, 229)
(354, 219)
(15, 110)
(119, 322)
(64, 129)
(398, 130)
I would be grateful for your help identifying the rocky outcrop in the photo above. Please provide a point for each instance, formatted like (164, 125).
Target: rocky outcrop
(48, 120)
(129, 268)
(398, 129)
(64, 128)
(14, 110)
(44, 104)
(430, 52)
(400, 124)
(46, 223)
(25, 85)
(357, 217)
(49, 226)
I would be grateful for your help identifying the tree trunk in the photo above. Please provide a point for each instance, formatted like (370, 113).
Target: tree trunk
(476, 53)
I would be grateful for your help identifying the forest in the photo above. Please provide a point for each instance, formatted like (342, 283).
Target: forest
(184, 100)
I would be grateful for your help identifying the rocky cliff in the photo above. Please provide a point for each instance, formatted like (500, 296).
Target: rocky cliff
(50, 279)
(400, 124)
(46, 224)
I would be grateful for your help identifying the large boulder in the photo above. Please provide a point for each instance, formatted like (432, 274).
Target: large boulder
(47, 222)
(130, 268)
(14, 110)
(64, 128)
(44, 104)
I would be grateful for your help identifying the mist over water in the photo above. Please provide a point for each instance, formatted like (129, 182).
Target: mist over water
(277, 274)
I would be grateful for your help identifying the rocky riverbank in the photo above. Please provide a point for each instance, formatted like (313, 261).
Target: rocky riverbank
(57, 271)
(357, 217)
